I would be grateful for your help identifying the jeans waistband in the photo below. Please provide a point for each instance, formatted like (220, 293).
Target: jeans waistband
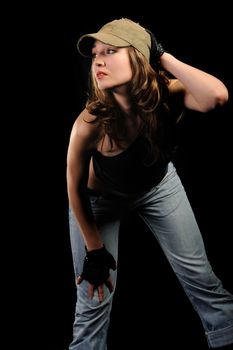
(110, 191)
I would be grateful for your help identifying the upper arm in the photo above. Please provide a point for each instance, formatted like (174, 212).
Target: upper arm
(81, 145)
(176, 101)
(177, 89)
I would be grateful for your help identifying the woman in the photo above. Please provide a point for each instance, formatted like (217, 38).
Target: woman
(120, 160)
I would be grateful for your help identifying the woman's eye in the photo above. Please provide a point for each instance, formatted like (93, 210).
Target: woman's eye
(111, 51)
(107, 52)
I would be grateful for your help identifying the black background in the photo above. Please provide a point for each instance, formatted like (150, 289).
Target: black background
(48, 79)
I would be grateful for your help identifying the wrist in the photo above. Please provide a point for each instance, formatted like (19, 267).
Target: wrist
(166, 59)
(94, 246)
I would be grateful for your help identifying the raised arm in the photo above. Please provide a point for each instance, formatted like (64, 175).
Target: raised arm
(202, 91)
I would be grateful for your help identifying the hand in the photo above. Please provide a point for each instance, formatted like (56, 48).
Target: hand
(157, 49)
(96, 267)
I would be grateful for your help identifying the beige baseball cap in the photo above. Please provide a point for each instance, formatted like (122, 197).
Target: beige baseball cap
(120, 33)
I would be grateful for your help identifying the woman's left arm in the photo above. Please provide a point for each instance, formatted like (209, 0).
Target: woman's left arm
(202, 91)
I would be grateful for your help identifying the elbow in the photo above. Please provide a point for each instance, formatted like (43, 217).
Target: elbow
(219, 98)
(222, 97)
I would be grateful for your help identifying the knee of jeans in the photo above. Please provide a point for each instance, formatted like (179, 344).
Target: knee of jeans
(204, 279)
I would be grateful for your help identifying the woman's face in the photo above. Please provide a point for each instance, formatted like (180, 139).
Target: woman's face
(111, 66)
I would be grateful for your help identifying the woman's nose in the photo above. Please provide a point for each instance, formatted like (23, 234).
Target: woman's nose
(99, 62)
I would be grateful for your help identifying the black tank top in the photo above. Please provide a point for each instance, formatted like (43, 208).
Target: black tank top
(128, 172)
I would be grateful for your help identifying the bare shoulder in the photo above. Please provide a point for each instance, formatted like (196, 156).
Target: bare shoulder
(85, 130)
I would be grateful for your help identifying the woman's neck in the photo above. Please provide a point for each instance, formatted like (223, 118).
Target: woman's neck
(124, 102)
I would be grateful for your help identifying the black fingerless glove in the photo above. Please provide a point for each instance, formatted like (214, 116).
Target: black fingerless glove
(96, 266)
(159, 50)
(156, 50)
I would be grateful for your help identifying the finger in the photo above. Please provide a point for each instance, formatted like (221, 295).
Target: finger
(109, 284)
(101, 293)
(90, 291)
(79, 279)
(114, 265)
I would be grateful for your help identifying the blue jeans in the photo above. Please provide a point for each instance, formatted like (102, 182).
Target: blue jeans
(165, 209)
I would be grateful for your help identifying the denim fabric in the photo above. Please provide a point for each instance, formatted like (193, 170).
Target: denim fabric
(165, 209)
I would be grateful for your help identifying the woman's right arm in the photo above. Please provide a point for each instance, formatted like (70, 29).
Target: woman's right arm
(82, 142)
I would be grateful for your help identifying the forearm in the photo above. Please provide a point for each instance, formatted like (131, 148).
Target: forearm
(203, 91)
(82, 211)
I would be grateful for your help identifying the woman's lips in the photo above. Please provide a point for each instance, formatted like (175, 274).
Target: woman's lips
(100, 75)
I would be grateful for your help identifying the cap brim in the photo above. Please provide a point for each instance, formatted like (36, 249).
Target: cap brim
(85, 43)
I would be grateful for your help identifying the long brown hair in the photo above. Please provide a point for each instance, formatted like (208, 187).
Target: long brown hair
(148, 91)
